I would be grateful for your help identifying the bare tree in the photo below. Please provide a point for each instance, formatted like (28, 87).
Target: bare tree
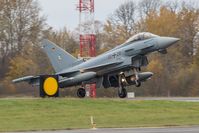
(124, 19)
(20, 24)
(148, 6)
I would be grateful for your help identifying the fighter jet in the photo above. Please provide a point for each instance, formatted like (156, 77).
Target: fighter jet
(118, 67)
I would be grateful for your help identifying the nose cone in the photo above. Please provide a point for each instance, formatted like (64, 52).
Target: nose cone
(165, 42)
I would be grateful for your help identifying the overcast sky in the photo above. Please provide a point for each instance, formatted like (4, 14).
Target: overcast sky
(62, 13)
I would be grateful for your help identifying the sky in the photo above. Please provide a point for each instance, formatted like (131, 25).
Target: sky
(63, 13)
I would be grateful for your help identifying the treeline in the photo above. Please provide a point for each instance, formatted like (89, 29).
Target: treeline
(175, 74)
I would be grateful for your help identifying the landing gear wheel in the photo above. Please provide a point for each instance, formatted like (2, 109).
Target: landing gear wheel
(123, 93)
(81, 92)
(138, 84)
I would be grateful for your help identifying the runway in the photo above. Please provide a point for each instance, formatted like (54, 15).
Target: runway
(127, 130)
(184, 99)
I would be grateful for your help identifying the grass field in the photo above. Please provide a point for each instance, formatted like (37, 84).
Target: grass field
(46, 114)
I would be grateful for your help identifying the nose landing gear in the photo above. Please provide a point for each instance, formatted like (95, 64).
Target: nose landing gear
(137, 82)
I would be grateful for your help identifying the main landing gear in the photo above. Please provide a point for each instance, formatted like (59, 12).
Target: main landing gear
(122, 93)
(81, 92)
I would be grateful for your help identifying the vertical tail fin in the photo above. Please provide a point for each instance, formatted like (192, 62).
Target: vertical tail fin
(59, 58)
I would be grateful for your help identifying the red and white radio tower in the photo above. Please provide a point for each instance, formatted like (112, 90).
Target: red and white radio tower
(87, 38)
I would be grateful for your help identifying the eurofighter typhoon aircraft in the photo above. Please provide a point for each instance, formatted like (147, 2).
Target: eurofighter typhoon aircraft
(118, 67)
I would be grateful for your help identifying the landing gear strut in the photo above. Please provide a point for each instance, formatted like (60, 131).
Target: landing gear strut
(81, 92)
(122, 91)
(137, 82)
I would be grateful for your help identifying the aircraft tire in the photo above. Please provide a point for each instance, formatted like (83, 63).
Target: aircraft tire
(123, 94)
(81, 92)
(138, 84)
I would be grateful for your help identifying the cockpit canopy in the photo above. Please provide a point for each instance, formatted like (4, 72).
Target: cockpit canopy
(141, 36)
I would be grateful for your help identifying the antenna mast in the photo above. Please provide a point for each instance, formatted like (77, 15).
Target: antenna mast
(87, 38)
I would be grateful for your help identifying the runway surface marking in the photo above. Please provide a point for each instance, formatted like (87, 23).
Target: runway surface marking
(127, 130)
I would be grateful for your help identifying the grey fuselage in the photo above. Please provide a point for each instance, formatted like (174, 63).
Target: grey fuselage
(122, 58)
(122, 54)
